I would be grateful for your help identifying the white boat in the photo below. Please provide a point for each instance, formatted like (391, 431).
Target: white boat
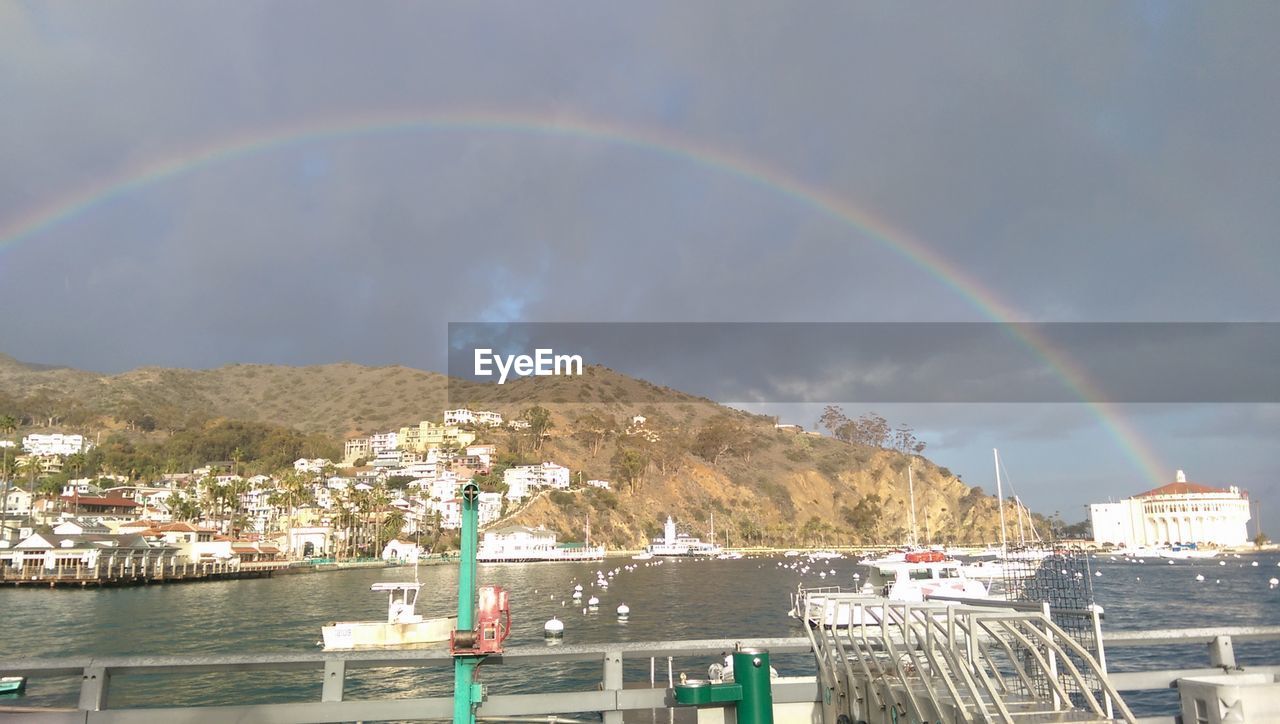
(680, 544)
(1187, 552)
(403, 627)
(642, 556)
(920, 575)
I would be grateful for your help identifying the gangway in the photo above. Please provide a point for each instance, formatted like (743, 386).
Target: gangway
(882, 661)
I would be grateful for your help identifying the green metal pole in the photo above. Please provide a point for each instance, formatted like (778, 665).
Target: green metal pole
(465, 694)
(751, 671)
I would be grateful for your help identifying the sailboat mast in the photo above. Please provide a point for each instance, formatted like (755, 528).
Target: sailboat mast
(911, 491)
(1022, 539)
(1004, 544)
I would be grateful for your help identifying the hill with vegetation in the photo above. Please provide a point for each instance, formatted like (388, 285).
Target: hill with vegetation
(702, 463)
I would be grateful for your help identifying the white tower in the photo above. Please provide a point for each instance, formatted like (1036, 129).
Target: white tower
(1181, 477)
(669, 531)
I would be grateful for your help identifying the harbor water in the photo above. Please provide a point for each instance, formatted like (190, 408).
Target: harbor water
(679, 599)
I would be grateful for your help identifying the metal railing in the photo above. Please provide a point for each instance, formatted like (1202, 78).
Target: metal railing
(608, 698)
(95, 674)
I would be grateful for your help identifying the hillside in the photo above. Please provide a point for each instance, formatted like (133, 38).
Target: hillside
(692, 458)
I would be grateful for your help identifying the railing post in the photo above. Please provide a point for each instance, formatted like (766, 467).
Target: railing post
(335, 679)
(613, 682)
(93, 689)
(1221, 652)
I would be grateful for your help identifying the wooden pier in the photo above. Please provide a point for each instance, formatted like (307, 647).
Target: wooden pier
(104, 575)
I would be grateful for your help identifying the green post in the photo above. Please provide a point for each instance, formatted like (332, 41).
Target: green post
(751, 671)
(465, 692)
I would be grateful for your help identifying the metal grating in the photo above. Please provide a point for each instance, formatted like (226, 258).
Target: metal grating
(1061, 580)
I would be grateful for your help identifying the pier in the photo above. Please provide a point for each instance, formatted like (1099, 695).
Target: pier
(122, 574)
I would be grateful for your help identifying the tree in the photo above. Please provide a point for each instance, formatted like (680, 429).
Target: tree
(717, 438)
(539, 419)
(595, 429)
(1261, 539)
(629, 465)
(8, 423)
(832, 418)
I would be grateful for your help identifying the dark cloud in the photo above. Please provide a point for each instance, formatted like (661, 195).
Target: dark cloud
(1085, 162)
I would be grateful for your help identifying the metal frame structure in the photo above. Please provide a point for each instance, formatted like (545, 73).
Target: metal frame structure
(881, 660)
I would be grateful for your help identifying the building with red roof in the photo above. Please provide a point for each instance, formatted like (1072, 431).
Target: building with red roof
(1181, 512)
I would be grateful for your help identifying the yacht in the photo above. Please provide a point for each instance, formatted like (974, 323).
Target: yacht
(680, 544)
(920, 575)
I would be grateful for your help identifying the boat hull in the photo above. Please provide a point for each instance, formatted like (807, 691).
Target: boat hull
(12, 684)
(346, 635)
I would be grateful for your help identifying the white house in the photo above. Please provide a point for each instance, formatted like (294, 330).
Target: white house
(55, 444)
(314, 466)
(444, 488)
(383, 442)
(464, 416)
(483, 454)
(1179, 512)
(522, 479)
(489, 508)
(602, 484)
(399, 550)
(17, 504)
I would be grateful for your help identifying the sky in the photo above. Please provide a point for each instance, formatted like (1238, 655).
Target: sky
(194, 184)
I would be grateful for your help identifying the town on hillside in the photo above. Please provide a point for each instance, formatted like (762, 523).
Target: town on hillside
(392, 496)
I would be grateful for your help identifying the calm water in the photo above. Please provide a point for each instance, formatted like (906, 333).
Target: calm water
(680, 599)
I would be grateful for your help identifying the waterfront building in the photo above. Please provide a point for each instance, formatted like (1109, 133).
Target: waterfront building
(55, 444)
(50, 552)
(1180, 512)
(517, 543)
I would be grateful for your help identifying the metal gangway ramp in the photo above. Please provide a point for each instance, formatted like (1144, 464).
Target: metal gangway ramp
(882, 661)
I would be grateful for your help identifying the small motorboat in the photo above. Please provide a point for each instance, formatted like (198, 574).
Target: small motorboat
(403, 627)
(12, 684)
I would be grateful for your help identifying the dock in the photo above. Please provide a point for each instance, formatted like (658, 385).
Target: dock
(110, 575)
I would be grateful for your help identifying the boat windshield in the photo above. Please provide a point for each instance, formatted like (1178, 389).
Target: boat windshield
(920, 574)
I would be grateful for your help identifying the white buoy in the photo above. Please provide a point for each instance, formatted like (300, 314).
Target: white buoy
(1171, 563)
(1097, 573)
(578, 588)
(1254, 564)
(553, 629)
(577, 595)
(1222, 563)
(1274, 582)
(624, 612)
(1199, 576)
(593, 602)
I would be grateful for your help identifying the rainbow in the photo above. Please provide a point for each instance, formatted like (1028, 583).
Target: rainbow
(946, 273)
